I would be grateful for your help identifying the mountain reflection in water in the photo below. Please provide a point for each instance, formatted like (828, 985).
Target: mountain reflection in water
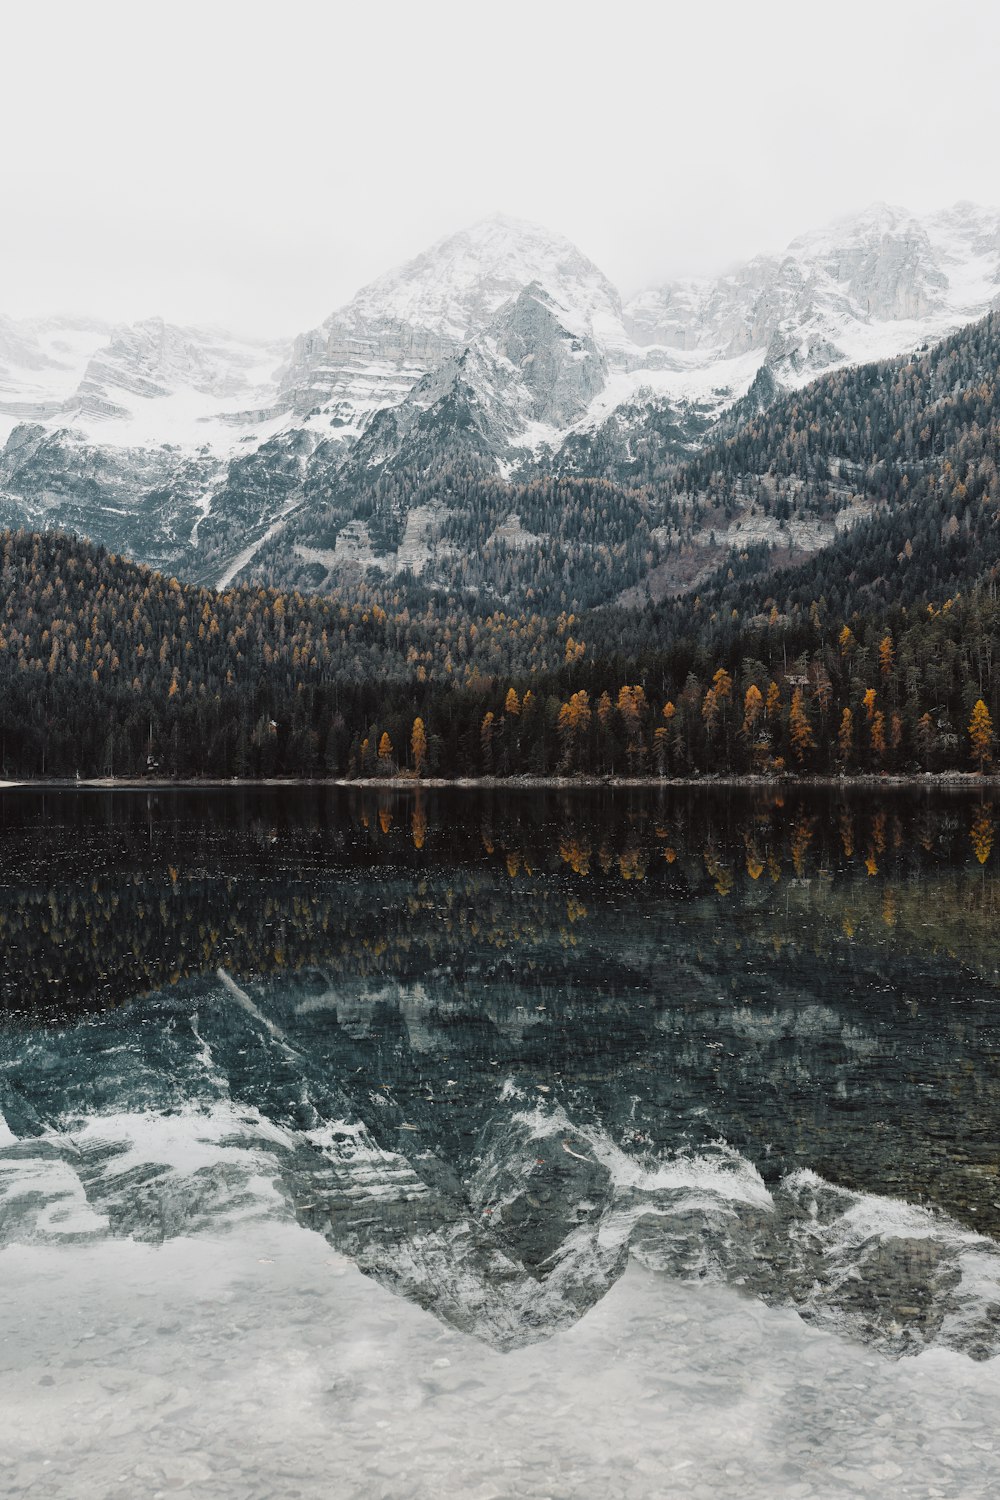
(494, 1045)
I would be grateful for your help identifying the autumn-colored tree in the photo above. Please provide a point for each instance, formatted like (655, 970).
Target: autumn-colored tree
(512, 704)
(845, 640)
(385, 752)
(799, 728)
(772, 705)
(886, 654)
(418, 746)
(575, 852)
(981, 734)
(753, 704)
(661, 739)
(573, 723)
(845, 736)
(869, 702)
(631, 707)
(878, 832)
(486, 742)
(722, 683)
(822, 685)
(878, 732)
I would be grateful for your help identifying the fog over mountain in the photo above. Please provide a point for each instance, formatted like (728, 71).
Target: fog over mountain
(213, 166)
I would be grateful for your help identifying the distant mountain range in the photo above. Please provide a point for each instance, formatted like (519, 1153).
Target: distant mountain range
(498, 356)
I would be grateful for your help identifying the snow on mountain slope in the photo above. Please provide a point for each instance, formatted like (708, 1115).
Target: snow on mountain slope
(43, 360)
(524, 380)
(123, 433)
(868, 287)
(505, 331)
(143, 384)
(401, 326)
(865, 287)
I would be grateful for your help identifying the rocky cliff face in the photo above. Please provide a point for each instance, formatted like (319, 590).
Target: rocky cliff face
(42, 361)
(143, 500)
(501, 345)
(408, 321)
(532, 372)
(867, 287)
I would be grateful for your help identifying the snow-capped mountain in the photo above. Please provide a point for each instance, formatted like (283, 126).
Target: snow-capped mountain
(43, 361)
(526, 378)
(121, 432)
(145, 383)
(465, 321)
(503, 343)
(868, 287)
(408, 321)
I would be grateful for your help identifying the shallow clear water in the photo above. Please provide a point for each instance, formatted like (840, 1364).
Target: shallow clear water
(464, 1144)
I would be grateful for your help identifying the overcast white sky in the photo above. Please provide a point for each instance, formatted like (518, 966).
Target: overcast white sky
(252, 164)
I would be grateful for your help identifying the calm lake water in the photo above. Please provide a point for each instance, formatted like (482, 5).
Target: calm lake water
(499, 1145)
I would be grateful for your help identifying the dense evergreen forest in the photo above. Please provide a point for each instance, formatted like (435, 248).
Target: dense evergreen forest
(107, 668)
(875, 654)
(906, 446)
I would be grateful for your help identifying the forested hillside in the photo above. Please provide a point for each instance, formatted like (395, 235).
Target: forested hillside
(547, 543)
(107, 668)
(510, 657)
(879, 467)
(911, 444)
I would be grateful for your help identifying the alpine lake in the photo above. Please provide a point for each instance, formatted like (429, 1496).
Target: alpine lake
(510, 1144)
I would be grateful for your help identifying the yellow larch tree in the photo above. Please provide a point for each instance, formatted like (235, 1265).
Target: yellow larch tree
(753, 703)
(981, 734)
(878, 732)
(418, 746)
(799, 728)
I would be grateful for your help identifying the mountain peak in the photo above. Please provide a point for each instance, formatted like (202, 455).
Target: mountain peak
(455, 286)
